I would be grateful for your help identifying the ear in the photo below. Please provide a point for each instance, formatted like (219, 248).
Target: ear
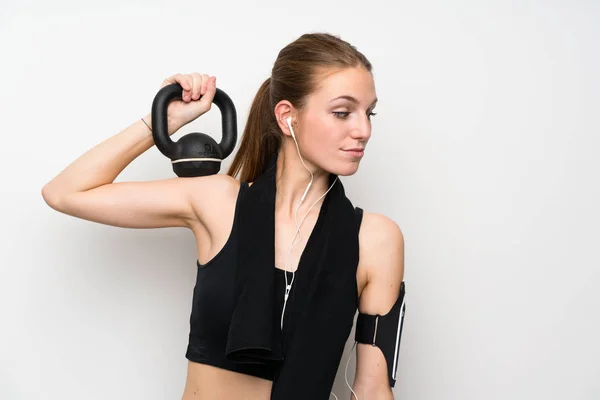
(284, 110)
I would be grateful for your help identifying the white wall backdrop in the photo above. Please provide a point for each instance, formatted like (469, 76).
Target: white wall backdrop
(484, 150)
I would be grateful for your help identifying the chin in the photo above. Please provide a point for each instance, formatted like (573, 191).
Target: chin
(341, 166)
(346, 168)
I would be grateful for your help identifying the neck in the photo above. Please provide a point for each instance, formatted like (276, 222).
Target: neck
(292, 179)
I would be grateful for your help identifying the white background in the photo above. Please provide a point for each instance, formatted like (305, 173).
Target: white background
(484, 151)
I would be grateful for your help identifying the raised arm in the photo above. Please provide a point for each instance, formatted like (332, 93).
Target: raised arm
(86, 188)
(382, 252)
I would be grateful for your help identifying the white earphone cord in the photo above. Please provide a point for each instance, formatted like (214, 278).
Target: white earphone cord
(294, 243)
(298, 232)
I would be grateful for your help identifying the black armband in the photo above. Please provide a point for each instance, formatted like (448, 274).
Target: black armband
(384, 331)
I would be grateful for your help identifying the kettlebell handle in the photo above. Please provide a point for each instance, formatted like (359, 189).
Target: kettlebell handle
(177, 151)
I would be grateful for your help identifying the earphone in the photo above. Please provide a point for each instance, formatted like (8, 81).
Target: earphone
(288, 288)
(289, 123)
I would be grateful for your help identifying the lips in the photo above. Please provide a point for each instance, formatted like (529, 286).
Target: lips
(356, 152)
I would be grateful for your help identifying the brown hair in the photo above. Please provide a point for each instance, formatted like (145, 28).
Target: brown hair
(294, 76)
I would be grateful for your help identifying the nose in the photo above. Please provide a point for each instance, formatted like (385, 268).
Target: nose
(362, 130)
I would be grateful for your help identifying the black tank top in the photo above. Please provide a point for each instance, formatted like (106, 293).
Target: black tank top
(213, 303)
(212, 307)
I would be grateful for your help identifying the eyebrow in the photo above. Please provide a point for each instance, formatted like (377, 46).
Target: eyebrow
(352, 99)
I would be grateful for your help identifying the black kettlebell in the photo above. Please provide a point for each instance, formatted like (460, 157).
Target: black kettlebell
(194, 154)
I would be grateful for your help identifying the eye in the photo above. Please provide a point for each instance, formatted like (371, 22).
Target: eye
(341, 114)
(344, 114)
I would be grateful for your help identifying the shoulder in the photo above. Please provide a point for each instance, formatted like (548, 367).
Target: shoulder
(212, 195)
(380, 238)
(213, 186)
(381, 244)
(379, 230)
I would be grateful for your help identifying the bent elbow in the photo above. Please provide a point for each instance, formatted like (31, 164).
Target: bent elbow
(51, 197)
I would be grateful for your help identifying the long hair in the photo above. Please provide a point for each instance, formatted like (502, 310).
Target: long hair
(294, 76)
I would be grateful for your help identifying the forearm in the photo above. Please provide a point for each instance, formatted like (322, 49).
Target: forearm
(102, 163)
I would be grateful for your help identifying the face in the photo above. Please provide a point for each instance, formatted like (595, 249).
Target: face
(335, 125)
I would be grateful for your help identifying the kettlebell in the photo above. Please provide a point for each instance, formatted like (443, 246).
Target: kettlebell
(194, 154)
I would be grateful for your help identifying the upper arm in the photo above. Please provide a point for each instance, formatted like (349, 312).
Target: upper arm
(382, 256)
(174, 202)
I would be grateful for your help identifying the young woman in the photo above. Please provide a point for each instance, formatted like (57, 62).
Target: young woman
(284, 258)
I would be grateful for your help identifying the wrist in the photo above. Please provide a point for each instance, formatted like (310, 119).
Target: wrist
(147, 120)
(172, 126)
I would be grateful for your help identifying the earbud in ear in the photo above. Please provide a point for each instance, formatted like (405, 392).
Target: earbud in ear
(289, 122)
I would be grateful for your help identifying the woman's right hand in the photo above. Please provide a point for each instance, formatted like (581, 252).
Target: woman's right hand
(196, 98)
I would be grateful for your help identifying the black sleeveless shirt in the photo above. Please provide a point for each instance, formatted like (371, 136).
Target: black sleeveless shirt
(213, 303)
